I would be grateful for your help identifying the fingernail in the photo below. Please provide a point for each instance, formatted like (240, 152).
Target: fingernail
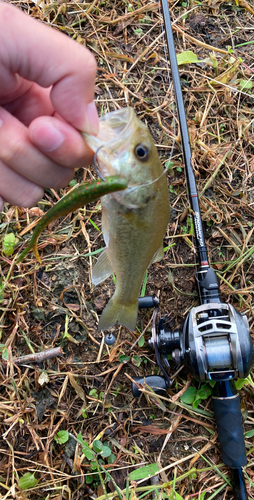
(46, 137)
(1, 202)
(91, 125)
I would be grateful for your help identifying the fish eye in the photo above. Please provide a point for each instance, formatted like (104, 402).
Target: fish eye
(141, 152)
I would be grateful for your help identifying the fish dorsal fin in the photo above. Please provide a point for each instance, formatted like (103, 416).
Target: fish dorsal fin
(102, 269)
(158, 255)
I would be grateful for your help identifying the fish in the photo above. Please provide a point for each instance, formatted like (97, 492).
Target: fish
(134, 220)
(76, 198)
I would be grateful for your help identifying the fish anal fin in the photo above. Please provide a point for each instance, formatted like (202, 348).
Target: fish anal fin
(114, 312)
(102, 269)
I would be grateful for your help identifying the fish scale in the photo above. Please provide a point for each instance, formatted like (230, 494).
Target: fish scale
(134, 221)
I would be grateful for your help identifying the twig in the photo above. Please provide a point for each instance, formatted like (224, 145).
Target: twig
(38, 357)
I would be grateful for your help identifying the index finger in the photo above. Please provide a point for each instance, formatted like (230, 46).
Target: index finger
(41, 54)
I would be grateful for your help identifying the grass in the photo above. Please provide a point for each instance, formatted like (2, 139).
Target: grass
(88, 390)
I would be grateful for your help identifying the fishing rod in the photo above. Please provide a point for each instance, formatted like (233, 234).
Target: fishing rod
(214, 340)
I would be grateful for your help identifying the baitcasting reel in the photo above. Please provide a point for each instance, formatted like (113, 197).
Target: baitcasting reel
(214, 340)
(214, 343)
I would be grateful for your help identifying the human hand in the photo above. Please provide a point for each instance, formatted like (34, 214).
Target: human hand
(46, 96)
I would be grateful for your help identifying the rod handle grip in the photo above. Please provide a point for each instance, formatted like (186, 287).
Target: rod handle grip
(228, 418)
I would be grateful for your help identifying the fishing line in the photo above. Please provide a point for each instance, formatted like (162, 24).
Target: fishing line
(96, 164)
(130, 188)
(134, 188)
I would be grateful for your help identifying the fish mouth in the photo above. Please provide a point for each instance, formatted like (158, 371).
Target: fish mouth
(113, 149)
(111, 143)
(112, 128)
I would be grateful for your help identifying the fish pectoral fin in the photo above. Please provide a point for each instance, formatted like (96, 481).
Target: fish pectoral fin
(158, 255)
(102, 269)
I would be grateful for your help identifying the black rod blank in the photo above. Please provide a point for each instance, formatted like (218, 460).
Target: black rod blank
(186, 149)
(238, 481)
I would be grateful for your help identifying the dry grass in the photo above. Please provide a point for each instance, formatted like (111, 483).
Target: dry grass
(87, 390)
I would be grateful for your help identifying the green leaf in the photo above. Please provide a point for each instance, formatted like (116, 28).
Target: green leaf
(111, 458)
(241, 382)
(186, 57)
(62, 437)
(5, 353)
(143, 289)
(196, 403)
(249, 434)
(137, 360)
(246, 84)
(27, 481)
(94, 225)
(80, 439)
(177, 496)
(141, 341)
(8, 243)
(169, 164)
(1, 291)
(189, 396)
(144, 472)
(212, 383)
(138, 32)
(73, 183)
(97, 446)
(105, 451)
(93, 393)
(89, 479)
(204, 392)
(89, 454)
(123, 358)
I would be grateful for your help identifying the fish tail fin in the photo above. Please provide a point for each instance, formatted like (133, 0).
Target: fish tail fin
(116, 312)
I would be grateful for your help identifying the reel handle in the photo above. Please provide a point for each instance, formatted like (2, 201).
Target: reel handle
(157, 383)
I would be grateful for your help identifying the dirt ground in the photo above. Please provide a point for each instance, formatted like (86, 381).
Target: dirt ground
(87, 390)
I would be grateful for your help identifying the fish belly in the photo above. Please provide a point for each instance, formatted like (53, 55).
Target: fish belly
(132, 236)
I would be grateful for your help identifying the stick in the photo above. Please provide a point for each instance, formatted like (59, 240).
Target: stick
(38, 357)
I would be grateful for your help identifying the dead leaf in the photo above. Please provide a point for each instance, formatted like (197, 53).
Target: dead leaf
(123, 25)
(151, 429)
(77, 387)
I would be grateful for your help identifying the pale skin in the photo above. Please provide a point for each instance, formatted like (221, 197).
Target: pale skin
(46, 97)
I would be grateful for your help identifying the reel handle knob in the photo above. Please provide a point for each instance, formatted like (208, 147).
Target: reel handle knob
(157, 383)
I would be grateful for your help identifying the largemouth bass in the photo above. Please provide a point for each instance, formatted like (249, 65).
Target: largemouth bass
(76, 198)
(134, 221)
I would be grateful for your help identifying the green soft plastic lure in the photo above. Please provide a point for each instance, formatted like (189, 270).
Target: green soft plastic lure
(77, 198)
